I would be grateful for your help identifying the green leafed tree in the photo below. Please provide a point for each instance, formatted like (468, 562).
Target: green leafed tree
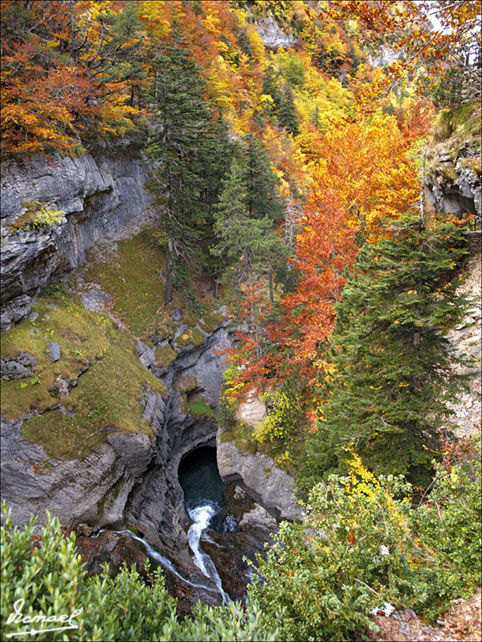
(393, 364)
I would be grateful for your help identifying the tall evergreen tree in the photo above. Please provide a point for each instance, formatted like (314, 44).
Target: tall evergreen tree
(180, 147)
(219, 150)
(248, 243)
(262, 196)
(393, 365)
(271, 86)
(287, 111)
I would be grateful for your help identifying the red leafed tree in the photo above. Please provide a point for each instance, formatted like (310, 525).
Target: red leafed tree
(271, 351)
(249, 358)
(325, 247)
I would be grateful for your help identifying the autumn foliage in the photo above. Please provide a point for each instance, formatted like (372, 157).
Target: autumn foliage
(67, 70)
(345, 163)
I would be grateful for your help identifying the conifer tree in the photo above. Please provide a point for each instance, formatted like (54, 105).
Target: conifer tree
(287, 112)
(271, 86)
(248, 243)
(219, 152)
(392, 374)
(262, 195)
(179, 146)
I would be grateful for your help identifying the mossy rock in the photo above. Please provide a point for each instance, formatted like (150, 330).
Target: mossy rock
(242, 435)
(444, 125)
(448, 171)
(36, 216)
(210, 321)
(188, 338)
(201, 408)
(186, 383)
(190, 317)
(82, 337)
(165, 326)
(134, 283)
(164, 355)
(474, 164)
(456, 129)
(107, 393)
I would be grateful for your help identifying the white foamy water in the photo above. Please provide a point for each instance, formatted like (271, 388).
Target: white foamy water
(201, 517)
(160, 559)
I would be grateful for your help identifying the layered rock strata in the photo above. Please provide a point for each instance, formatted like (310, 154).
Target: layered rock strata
(101, 195)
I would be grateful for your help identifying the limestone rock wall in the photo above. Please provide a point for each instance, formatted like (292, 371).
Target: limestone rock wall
(131, 479)
(102, 195)
(467, 341)
(156, 504)
(269, 486)
(454, 186)
(92, 490)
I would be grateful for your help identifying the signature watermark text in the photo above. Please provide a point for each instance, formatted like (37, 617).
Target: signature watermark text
(64, 622)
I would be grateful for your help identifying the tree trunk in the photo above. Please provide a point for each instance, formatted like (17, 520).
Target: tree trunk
(422, 187)
(171, 265)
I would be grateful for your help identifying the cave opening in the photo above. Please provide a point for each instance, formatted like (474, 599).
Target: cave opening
(204, 490)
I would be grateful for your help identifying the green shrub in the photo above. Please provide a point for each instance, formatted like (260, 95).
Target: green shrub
(448, 524)
(363, 543)
(43, 570)
(36, 217)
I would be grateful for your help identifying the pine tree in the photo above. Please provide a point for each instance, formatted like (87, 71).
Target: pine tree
(263, 197)
(248, 243)
(271, 86)
(287, 111)
(179, 146)
(392, 363)
(219, 152)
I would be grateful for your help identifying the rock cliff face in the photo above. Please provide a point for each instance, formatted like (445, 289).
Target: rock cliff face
(156, 504)
(92, 490)
(269, 486)
(272, 35)
(101, 194)
(257, 473)
(466, 339)
(132, 478)
(454, 188)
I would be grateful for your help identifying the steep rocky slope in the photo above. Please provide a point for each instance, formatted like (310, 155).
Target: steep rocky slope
(101, 194)
(102, 400)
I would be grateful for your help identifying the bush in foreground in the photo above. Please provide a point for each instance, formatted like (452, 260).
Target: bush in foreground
(42, 575)
(365, 543)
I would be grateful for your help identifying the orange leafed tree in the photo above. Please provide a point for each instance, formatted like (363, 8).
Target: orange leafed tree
(367, 167)
(325, 247)
(424, 35)
(67, 69)
(290, 345)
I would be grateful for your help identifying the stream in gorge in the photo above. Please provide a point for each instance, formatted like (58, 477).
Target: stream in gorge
(219, 539)
(204, 501)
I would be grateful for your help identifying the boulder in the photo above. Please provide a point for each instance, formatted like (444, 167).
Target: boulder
(270, 486)
(54, 351)
(17, 367)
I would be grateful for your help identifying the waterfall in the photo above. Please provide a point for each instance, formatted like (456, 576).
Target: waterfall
(160, 559)
(201, 516)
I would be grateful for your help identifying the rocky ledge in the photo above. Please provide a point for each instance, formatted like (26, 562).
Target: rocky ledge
(100, 195)
(256, 473)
